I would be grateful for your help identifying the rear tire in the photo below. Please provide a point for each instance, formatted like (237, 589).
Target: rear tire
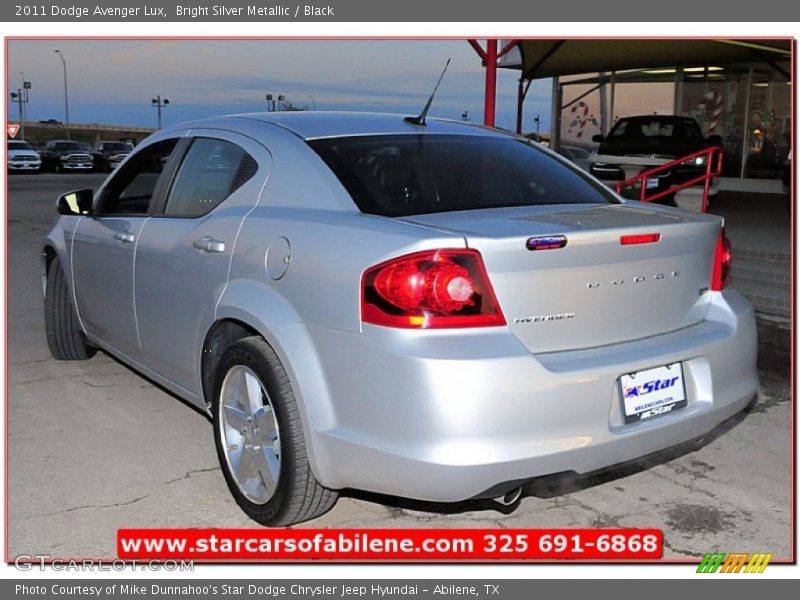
(259, 438)
(64, 335)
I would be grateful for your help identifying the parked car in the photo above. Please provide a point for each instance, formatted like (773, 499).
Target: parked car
(436, 311)
(108, 155)
(66, 155)
(22, 157)
(576, 155)
(636, 144)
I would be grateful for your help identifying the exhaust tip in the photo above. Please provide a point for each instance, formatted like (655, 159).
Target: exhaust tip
(510, 498)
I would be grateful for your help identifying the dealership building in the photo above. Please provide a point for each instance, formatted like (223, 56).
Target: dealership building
(738, 89)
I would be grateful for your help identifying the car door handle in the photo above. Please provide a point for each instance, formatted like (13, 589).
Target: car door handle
(125, 236)
(209, 244)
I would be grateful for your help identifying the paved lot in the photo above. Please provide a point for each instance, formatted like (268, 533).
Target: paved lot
(94, 447)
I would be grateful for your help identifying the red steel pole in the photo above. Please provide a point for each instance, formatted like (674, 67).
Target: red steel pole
(491, 83)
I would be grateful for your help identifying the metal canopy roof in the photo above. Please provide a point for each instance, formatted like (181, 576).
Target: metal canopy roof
(549, 58)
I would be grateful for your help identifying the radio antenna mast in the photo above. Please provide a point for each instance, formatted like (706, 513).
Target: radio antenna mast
(420, 119)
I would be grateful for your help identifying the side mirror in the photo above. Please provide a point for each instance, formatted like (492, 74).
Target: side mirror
(715, 140)
(75, 203)
(597, 138)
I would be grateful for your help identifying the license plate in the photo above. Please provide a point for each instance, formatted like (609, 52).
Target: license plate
(653, 392)
(652, 182)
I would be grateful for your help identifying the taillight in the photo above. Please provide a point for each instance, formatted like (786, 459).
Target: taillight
(720, 276)
(430, 290)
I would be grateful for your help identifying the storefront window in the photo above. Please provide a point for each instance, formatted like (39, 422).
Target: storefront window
(593, 106)
(769, 126)
(581, 115)
(749, 109)
(652, 98)
(716, 98)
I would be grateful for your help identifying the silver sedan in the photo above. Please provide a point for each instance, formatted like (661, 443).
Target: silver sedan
(430, 310)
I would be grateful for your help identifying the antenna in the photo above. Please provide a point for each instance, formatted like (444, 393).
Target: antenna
(420, 120)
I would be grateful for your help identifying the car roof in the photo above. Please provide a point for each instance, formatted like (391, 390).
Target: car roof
(658, 118)
(321, 124)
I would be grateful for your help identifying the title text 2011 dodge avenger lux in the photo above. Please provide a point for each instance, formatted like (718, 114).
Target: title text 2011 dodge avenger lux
(436, 311)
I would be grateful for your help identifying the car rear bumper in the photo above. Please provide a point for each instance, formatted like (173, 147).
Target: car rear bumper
(444, 417)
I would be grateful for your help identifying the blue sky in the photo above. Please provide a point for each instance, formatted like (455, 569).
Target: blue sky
(112, 82)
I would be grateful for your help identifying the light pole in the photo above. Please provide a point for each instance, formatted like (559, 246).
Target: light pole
(66, 93)
(21, 98)
(17, 97)
(275, 103)
(160, 103)
(23, 110)
(313, 102)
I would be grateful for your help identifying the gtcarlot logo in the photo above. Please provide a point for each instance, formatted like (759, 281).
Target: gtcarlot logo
(42, 562)
(734, 563)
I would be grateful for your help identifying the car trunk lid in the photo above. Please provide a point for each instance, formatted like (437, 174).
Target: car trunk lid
(594, 290)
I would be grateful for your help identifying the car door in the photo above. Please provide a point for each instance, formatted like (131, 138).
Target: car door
(104, 245)
(185, 249)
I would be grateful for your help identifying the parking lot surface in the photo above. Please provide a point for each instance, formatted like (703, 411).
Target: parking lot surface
(94, 447)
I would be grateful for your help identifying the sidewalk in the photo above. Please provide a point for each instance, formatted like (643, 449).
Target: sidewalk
(759, 228)
(755, 221)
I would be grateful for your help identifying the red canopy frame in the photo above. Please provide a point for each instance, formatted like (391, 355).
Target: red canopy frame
(489, 57)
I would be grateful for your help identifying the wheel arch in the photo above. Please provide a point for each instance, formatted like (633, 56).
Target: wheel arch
(49, 254)
(243, 313)
(222, 334)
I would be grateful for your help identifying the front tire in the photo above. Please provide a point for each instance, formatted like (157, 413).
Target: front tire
(64, 336)
(259, 438)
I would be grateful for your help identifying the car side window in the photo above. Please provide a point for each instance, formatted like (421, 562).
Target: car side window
(132, 188)
(211, 170)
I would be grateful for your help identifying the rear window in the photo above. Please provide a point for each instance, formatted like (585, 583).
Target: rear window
(69, 146)
(401, 175)
(116, 146)
(646, 128)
